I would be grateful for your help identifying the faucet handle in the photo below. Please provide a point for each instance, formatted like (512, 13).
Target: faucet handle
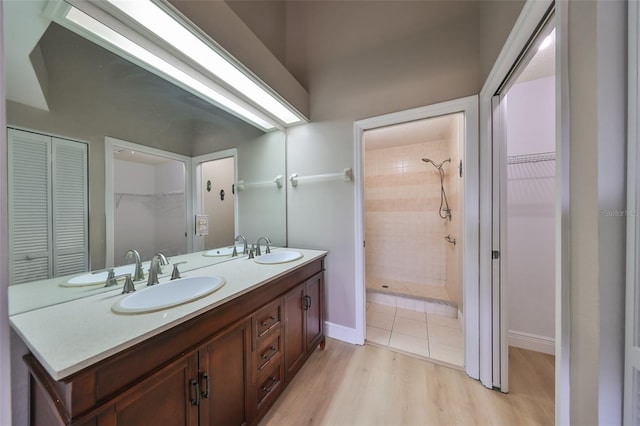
(235, 252)
(251, 251)
(128, 283)
(111, 280)
(176, 273)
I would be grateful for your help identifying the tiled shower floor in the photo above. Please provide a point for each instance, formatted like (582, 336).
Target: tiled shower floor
(423, 334)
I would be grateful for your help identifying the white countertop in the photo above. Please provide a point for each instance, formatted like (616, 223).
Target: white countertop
(39, 294)
(71, 336)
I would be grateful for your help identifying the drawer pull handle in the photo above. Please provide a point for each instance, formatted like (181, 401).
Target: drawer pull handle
(266, 323)
(273, 350)
(196, 401)
(268, 389)
(307, 303)
(207, 388)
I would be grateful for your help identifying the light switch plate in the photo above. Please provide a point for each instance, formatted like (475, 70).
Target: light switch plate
(202, 224)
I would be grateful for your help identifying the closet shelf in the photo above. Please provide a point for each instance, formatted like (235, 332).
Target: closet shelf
(531, 158)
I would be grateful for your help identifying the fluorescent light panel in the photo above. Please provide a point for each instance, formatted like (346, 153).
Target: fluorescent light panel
(112, 37)
(163, 25)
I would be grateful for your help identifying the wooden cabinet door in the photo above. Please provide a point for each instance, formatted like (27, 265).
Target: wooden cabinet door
(314, 311)
(166, 398)
(224, 373)
(294, 339)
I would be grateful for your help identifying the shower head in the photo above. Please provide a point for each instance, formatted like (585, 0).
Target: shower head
(437, 166)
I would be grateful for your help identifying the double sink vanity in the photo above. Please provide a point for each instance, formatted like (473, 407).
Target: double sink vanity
(215, 347)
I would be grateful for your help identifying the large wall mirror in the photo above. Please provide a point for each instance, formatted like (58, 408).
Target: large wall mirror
(62, 85)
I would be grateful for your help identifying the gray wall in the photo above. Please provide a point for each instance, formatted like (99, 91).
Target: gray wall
(596, 117)
(362, 59)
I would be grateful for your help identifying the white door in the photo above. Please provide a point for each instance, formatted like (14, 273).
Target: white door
(48, 206)
(500, 350)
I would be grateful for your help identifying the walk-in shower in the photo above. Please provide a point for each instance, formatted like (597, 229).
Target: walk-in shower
(413, 258)
(445, 210)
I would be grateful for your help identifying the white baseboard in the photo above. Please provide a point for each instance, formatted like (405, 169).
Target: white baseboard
(340, 332)
(532, 342)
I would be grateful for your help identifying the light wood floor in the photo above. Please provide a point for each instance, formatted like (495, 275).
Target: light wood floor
(367, 385)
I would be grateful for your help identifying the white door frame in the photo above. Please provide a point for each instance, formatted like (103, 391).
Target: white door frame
(198, 242)
(469, 106)
(631, 408)
(109, 144)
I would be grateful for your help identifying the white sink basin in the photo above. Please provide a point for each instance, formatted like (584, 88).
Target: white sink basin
(100, 277)
(280, 256)
(223, 251)
(167, 295)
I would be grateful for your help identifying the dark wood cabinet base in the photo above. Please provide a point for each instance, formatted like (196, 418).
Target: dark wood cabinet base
(226, 366)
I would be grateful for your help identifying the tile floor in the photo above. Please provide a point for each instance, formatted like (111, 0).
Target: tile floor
(424, 334)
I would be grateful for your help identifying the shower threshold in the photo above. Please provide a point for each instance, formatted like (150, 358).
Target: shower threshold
(431, 293)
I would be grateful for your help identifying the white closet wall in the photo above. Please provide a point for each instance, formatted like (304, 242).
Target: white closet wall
(531, 215)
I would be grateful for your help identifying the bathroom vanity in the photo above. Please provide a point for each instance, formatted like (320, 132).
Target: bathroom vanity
(220, 360)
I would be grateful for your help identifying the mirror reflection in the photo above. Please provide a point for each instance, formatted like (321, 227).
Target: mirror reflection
(149, 205)
(63, 86)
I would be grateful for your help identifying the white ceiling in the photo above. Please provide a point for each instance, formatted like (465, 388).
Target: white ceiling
(419, 131)
(139, 157)
(541, 65)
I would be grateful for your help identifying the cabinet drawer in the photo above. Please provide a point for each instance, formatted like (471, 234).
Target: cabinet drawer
(267, 353)
(266, 321)
(269, 386)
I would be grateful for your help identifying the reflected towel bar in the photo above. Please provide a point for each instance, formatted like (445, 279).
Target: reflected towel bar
(346, 175)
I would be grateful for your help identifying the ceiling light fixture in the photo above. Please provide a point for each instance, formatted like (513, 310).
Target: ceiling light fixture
(164, 25)
(117, 40)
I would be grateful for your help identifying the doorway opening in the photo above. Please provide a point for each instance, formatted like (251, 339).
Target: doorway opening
(431, 214)
(523, 211)
(413, 234)
(217, 194)
(215, 199)
(147, 201)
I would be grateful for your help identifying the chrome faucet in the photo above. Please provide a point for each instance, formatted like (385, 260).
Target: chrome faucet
(244, 242)
(267, 242)
(155, 268)
(139, 273)
(163, 261)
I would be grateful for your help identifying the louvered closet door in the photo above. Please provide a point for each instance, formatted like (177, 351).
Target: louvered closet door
(29, 207)
(70, 207)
